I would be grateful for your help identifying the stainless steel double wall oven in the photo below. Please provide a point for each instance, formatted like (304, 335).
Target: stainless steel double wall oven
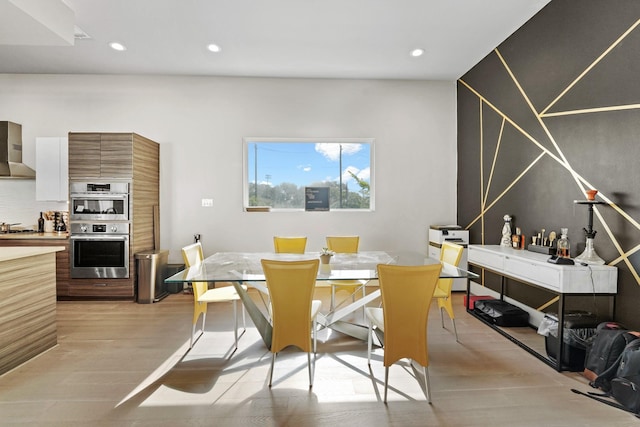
(100, 229)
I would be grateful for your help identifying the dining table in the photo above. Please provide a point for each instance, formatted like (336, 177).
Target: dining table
(245, 268)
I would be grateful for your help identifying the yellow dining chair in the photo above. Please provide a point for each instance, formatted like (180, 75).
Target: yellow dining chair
(450, 253)
(407, 292)
(289, 245)
(293, 311)
(193, 257)
(347, 245)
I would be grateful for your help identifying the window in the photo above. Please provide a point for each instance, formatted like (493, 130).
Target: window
(277, 170)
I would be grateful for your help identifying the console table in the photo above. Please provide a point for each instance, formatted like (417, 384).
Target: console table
(532, 269)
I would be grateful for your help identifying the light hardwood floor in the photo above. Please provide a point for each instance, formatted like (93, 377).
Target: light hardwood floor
(126, 364)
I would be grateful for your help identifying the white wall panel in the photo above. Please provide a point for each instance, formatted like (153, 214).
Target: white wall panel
(200, 122)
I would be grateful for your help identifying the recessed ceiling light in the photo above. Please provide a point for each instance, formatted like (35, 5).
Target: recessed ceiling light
(417, 52)
(117, 46)
(214, 48)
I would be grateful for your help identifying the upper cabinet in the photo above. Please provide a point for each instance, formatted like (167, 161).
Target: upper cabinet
(52, 182)
(100, 155)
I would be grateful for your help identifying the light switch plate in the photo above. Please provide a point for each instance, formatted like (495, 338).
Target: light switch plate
(207, 203)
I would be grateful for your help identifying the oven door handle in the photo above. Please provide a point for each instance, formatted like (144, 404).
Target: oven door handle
(123, 237)
(91, 197)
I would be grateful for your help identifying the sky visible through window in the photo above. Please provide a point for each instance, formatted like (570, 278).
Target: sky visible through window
(304, 163)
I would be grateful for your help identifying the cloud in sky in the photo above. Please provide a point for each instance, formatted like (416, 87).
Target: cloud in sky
(331, 151)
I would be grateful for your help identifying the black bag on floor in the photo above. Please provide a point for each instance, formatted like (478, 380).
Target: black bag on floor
(501, 313)
(579, 328)
(603, 354)
(625, 387)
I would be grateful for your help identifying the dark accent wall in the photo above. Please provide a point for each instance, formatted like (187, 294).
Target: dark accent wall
(551, 112)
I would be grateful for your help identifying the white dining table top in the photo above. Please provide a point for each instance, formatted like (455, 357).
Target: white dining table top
(246, 266)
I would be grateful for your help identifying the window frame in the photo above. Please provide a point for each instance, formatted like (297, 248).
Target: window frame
(245, 167)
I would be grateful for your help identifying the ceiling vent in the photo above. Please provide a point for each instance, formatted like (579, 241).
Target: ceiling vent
(79, 34)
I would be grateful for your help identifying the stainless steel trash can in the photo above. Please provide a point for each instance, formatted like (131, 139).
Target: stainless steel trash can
(151, 268)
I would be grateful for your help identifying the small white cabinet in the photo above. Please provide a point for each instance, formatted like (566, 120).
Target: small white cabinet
(52, 169)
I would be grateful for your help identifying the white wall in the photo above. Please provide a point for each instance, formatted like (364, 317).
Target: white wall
(200, 122)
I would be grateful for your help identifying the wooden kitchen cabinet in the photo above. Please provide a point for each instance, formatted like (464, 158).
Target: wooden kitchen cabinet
(52, 181)
(104, 157)
(116, 155)
(62, 257)
(101, 155)
(84, 155)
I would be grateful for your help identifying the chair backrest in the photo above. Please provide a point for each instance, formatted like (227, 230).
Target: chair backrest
(192, 254)
(343, 244)
(289, 245)
(406, 297)
(291, 285)
(451, 253)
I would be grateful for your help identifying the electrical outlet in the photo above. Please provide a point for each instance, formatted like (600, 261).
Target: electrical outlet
(207, 203)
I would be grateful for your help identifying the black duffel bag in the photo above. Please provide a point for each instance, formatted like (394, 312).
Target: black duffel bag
(501, 313)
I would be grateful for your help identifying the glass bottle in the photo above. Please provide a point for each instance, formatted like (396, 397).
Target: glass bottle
(41, 224)
(563, 245)
(589, 255)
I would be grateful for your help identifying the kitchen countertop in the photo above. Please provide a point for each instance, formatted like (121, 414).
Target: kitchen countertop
(12, 253)
(35, 235)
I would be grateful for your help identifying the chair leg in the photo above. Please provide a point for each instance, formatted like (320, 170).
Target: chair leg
(193, 330)
(315, 335)
(244, 318)
(425, 370)
(312, 371)
(273, 359)
(235, 322)
(442, 317)
(193, 333)
(455, 329)
(369, 343)
(386, 382)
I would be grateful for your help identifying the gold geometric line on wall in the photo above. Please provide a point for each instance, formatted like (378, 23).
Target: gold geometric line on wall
(592, 110)
(628, 253)
(536, 114)
(548, 303)
(613, 205)
(482, 201)
(578, 179)
(517, 127)
(593, 64)
(624, 255)
(493, 164)
(506, 190)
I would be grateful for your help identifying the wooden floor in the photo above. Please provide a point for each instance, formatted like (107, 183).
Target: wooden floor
(127, 364)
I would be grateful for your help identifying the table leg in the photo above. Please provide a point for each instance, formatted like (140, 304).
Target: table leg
(262, 324)
(560, 332)
(334, 320)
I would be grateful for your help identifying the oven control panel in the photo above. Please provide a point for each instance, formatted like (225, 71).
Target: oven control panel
(99, 228)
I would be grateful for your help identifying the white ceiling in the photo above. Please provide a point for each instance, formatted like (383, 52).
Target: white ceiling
(275, 38)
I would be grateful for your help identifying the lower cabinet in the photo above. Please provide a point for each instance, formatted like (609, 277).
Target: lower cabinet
(104, 288)
(79, 289)
(62, 259)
